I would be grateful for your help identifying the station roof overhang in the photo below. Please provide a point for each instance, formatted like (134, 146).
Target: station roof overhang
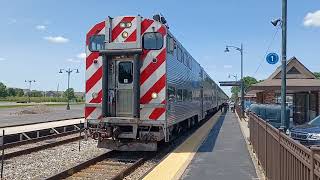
(293, 85)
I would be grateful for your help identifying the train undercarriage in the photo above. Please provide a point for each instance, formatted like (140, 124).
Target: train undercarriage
(132, 134)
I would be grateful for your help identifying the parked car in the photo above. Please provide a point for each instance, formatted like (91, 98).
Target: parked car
(308, 134)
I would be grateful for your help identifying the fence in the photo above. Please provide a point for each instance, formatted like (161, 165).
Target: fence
(281, 157)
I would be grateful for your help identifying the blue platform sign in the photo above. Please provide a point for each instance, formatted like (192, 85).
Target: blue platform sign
(272, 58)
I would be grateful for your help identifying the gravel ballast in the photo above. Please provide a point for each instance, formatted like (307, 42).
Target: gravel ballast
(45, 163)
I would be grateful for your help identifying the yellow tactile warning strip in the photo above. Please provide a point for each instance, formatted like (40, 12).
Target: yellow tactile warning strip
(173, 166)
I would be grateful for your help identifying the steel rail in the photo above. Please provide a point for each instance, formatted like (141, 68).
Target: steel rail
(35, 140)
(86, 164)
(40, 147)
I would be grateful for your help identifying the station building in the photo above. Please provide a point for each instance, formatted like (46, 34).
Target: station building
(303, 91)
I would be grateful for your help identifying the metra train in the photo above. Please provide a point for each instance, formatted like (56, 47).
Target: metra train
(142, 85)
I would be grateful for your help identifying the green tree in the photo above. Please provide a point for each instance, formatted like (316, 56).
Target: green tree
(248, 81)
(3, 90)
(35, 93)
(317, 74)
(69, 91)
(11, 92)
(19, 92)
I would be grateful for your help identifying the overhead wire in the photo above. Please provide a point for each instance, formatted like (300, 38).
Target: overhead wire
(268, 48)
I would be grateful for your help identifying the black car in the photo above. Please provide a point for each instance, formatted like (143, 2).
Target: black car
(308, 134)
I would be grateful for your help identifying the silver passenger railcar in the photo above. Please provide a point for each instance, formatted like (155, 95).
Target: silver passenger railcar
(142, 85)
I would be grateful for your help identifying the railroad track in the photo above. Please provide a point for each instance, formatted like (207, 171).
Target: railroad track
(115, 165)
(34, 145)
(112, 165)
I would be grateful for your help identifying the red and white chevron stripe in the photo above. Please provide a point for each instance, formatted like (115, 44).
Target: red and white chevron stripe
(117, 30)
(93, 75)
(153, 73)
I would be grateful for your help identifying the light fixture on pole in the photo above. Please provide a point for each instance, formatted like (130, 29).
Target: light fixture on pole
(240, 49)
(233, 75)
(29, 86)
(68, 71)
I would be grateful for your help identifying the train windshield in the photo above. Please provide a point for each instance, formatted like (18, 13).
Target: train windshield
(153, 41)
(97, 43)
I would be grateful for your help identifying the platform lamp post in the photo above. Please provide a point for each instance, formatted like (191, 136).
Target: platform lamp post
(283, 23)
(233, 75)
(68, 71)
(240, 49)
(29, 90)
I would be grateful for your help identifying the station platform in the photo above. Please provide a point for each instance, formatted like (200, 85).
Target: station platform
(13, 116)
(217, 150)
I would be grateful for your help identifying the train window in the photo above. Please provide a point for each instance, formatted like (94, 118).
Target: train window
(179, 54)
(171, 93)
(190, 95)
(170, 45)
(185, 60)
(125, 75)
(96, 43)
(185, 95)
(179, 95)
(152, 41)
(190, 63)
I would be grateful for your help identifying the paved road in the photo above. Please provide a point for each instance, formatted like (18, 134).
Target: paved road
(13, 116)
(223, 155)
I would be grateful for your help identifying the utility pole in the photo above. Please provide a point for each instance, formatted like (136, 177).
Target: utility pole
(284, 123)
(58, 90)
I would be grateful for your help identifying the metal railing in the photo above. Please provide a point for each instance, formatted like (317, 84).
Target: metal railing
(281, 157)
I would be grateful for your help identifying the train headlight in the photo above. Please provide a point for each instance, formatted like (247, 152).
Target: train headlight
(123, 25)
(154, 95)
(94, 95)
(125, 34)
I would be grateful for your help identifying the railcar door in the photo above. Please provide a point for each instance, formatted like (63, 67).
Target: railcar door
(123, 88)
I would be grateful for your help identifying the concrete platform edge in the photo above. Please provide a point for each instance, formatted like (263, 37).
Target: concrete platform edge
(176, 174)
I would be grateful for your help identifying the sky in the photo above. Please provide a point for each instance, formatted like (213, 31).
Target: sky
(38, 37)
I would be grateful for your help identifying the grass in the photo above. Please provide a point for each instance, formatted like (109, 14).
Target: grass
(38, 99)
(28, 105)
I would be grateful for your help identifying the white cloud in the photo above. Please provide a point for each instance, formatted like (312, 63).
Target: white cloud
(227, 66)
(56, 39)
(312, 19)
(73, 60)
(81, 56)
(41, 27)
(2, 59)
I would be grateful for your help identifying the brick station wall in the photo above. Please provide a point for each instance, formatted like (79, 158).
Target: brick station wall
(266, 97)
(269, 97)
